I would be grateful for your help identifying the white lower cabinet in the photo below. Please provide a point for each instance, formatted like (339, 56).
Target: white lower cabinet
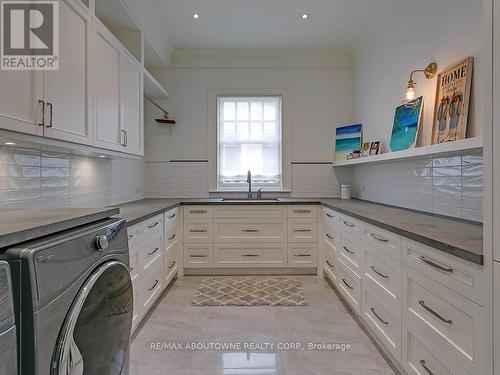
(198, 255)
(349, 285)
(302, 255)
(250, 255)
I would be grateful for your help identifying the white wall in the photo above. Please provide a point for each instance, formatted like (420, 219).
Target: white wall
(321, 99)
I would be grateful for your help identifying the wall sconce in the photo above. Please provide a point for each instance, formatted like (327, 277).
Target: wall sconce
(429, 73)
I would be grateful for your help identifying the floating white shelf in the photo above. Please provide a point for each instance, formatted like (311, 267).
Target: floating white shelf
(152, 88)
(456, 147)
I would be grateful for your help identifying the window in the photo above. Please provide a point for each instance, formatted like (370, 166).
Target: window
(249, 134)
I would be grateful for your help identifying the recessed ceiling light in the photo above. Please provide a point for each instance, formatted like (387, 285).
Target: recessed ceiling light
(196, 16)
(10, 143)
(102, 156)
(304, 16)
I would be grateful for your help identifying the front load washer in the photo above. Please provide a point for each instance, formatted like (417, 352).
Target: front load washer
(8, 362)
(73, 301)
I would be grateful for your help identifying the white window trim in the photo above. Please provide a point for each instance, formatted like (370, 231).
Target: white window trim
(286, 127)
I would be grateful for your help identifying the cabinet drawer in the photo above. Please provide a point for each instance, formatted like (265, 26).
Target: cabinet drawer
(144, 230)
(463, 277)
(302, 230)
(198, 212)
(171, 235)
(198, 255)
(301, 211)
(384, 274)
(330, 267)
(331, 239)
(250, 230)
(198, 231)
(388, 242)
(250, 255)
(171, 217)
(383, 319)
(135, 262)
(133, 235)
(420, 356)
(151, 252)
(152, 286)
(350, 225)
(349, 285)
(302, 255)
(450, 320)
(351, 253)
(137, 302)
(329, 218)
(171, 254)
(250, 212)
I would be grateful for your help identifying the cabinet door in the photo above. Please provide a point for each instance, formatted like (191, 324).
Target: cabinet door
(20, 109)
(132, 105)
(107, 91)
(67, 90)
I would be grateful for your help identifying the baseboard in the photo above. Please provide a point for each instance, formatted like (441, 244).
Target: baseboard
(249, 271)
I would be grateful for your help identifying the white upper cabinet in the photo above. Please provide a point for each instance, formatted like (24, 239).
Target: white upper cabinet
(132, 105)
(107, 91)
(67, 90)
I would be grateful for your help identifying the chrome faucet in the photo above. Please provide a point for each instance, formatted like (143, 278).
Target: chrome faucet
(249, 181)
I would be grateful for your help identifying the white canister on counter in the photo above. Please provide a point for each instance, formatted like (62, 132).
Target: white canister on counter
(345, 191)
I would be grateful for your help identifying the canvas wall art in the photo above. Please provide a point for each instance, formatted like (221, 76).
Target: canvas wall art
(452, 102)
(347, 140)
(406, 125)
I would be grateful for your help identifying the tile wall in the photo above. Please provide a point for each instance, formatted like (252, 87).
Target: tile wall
(39, 179)
(451, 186)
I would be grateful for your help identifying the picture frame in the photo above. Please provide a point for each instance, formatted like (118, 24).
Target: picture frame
(407, 121)
(348, 139)
(365, 150)
(374, 148)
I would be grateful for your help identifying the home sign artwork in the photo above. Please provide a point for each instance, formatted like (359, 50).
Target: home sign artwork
(452, 102)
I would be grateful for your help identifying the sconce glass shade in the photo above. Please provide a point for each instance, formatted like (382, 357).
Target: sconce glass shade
(410, 93)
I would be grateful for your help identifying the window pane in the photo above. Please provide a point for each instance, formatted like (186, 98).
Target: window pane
(270, 111)
(256, 131)
(229, 111)
(243, 111)
(243, 131)
(256, 111)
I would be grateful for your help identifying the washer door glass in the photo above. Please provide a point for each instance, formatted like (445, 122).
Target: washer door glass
(95, 335)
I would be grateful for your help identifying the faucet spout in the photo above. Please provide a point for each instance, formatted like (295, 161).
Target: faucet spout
(249, 181)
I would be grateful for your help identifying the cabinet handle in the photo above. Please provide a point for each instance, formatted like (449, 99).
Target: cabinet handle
(42, 102)
(154, 251)
(151, 226)
(302, 211)
(250, 230)
(51, 108)
(348, 223)
(435, 265)
(302, 255)
(378, 317)
(349, 251)
(378, 238)
(125, 141)
(198, 255)
(173, 264)
(154, 285)
(301, 230)
(378, 273)
(427, 369)
(250, 255)
(198, 211)
(422, 303)
(345, 282)
(198, 230)
(131, 236)
(171, 237)
(330, 216)
(172, 216)
(330, 237)
(328, 262)
(130, 269)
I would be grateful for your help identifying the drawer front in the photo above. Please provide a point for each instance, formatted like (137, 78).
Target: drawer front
(386, 241)
(301, 211)
(171, 254)
(331, 238)
(329, 218)
(134, 235)
(351, 253)
(450, 320)
(463, 277)
(172, 235)
(302, 230)
(420, 356)
(152, 286)
(151, 252)
(384, 274)
(171, 217)
(151, 226)
(250, 212)
(198, 255)
(331, 266)
(250, 230)
(135, 262)
(198, 212)
(250, 255)
(198, 231)
(302, 255)
(351, 226)
(137, 303)
(383, 319)
(349, 285)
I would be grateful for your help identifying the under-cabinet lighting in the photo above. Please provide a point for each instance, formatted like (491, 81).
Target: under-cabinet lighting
(10, 143)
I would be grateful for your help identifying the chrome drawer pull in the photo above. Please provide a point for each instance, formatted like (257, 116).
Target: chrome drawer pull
(331, 265)
(345, 282)
(378, 238)
(249, 255)
(172, 216)
(378, 317)
(422, 363)
(153, 225)
(131, 236)
(301, 230)
(154, 285)
(349, 251)
(130, 269)
(378, 273)
(302, 255)
(422, 303)
(250, 230)
(198, 230)
(435, 265)
(302, 211)
(197, 256)
(171, 237)
(330, 237)
(330, 216)
(198, 211)
(154, 251)
(173, 264)
(348, 224)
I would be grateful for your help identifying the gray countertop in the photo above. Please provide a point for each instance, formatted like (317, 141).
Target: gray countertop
(18, 226)
(457, 237)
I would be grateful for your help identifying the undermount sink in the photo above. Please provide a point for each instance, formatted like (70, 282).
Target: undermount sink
(250, 200)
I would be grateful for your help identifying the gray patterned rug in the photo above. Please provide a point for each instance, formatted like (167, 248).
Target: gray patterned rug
(249, 291)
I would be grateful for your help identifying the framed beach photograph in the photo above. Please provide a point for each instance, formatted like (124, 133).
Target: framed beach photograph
(406, 125)
(347, 140)
(365, 151)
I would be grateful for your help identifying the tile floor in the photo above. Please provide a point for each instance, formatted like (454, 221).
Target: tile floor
(324, 320)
